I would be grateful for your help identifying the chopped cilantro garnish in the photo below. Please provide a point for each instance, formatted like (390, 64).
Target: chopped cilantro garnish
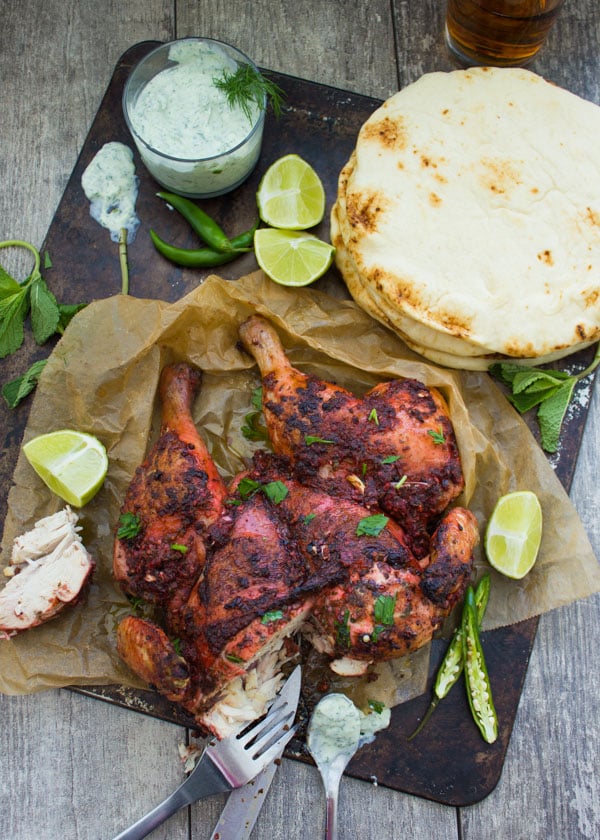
(130, 526)
(178, 547)
(371, 526)
(390, 459)
(271, 615)
(383, 609)
(438, 437)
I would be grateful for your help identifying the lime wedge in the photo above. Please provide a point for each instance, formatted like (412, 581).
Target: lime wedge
(514, 533)
(292, 258)
(72, 464)
(291, 195)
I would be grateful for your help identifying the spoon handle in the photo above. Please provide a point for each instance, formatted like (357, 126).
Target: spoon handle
(332, 789)
(331, 832)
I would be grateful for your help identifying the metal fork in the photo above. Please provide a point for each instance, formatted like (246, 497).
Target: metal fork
(229, 763)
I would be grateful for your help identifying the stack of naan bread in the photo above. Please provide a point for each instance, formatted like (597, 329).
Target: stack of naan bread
(468, 218)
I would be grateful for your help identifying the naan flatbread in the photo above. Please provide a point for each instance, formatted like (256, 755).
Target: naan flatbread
(468, 217)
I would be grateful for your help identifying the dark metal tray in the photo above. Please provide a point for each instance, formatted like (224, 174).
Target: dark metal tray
(448, 762)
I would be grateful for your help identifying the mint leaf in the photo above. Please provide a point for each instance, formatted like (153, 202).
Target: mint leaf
(550, 390)
(129, 526)
(524, 401)
(275, 491)
(253, 429)
(66, 312)
(45, 315)
(271, 615)
(383, 609)
(13, 311)
(17, 389)
(551, 414)
(248, 487)
(371, 526)
(534, 379)
(8, 285)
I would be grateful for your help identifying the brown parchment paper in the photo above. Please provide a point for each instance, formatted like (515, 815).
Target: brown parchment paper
(102, 379)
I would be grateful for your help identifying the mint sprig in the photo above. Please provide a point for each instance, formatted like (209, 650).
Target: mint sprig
(550, 390)
(18, 300)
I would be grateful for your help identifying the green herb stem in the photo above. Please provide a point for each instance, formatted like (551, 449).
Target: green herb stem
(591, 367)
(123, 261)
(19, 243)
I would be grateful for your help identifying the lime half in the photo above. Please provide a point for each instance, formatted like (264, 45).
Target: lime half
(72, 464)
(292, 258)
(291, 195)
(514, 533)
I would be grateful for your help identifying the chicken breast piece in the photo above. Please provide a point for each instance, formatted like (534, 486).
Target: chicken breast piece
(49, 567)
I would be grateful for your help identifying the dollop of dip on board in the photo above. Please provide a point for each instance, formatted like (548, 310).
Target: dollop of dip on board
(111, 185)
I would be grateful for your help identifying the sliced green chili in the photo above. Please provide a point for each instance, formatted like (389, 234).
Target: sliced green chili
(452, 664)
(479, 689)
(200, 222)
(195, 258)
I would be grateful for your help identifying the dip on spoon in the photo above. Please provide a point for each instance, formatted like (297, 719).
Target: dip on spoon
(337, 729)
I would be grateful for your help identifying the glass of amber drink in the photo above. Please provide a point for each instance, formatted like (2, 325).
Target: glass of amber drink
(502, 33)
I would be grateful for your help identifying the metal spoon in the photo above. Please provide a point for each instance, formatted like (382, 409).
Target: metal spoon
(332, 739)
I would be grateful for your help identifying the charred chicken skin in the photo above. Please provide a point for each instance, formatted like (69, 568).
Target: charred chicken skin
(319, 537)
(394, 448)
(174, 496)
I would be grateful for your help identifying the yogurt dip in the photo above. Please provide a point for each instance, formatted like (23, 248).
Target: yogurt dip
(337, 724)
(111, 185)
(190, 138)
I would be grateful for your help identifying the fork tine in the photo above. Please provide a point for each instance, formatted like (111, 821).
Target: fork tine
(272, 734)
(275, 749)
(266, 724)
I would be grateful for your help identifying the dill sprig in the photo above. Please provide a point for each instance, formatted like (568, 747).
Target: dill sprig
(248, 85)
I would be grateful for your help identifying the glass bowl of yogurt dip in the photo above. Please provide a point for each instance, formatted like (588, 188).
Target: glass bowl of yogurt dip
(190, 138)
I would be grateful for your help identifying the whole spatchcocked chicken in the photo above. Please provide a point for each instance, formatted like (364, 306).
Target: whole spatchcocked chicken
(340, 533)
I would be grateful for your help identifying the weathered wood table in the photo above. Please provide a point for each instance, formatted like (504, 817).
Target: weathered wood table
(74, 767)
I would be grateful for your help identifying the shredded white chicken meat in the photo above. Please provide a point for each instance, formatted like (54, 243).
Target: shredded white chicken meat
(48, 567)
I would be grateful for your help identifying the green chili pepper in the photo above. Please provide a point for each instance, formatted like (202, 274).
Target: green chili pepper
(199, 257)
(479, 689)
(452, 664)
(200, 222)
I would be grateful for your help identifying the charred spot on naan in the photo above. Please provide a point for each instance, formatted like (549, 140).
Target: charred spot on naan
(499, 176)
(364, 209)
(592, 217)
(389, 132)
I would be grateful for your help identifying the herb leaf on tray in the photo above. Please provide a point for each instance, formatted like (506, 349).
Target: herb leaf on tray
(550, 390)
(17, 301)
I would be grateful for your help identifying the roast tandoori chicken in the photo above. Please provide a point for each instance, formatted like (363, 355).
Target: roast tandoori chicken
(394, 448)
(319, 537)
